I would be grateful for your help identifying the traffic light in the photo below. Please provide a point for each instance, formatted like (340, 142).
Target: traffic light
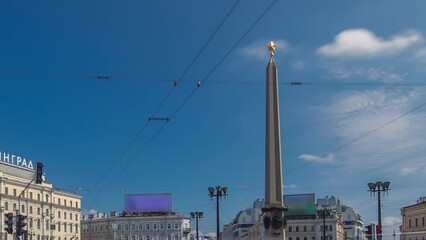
(8, 222)
(20, 224)
(39, 173)
(378, 229)
(369, 230)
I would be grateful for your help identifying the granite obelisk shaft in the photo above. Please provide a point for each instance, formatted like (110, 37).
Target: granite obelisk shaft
(273, 172)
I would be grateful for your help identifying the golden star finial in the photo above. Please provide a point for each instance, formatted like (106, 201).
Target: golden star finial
(271, 48)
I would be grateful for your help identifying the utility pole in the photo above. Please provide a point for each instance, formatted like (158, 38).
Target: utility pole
(197, 215)
(220, 192)
(379, 187)
(324, 212)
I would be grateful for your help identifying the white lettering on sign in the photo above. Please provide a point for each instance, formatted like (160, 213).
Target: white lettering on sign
(15, 160)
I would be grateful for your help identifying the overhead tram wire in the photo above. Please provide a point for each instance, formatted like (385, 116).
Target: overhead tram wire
(199, 84)
(361, 137)
(169, 93)
(223, 58)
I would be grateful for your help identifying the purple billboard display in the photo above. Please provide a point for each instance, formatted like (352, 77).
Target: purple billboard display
(148, 202)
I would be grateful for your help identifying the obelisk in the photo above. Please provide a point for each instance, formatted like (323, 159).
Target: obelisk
(274, 205)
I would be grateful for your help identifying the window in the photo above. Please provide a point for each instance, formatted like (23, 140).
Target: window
(65, 202)
(140, 227)
(71, 216)
(47, 198)
(133, 227)
(154, 226)
(38, 211)
(71, 228)
(331, 228)
(14, 207)
(47, 212)
(59, 214)
(409, 223)
(417, 223)
(59, 201)
(65, 215)
(76, 228)
(31, 195)
(6, 191)
(126, 227)
(76, 217)
(76, 204)
(423, 221)
(38, 224)
(31, 209)
(176, 226)
(161, 226)
(30, 224)
(23, 208)
(147, 226)
(169, 226)
(305, 229)
(65, 227)
(290, 229)
(119, 227)
(290, 238)
(38, 196)
(297, 230)
(47, 224)
(70, 203)
(59, 227)
(14, 192)
(305, 238)
(6, 205)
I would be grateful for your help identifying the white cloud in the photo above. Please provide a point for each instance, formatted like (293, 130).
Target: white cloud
(369, 73)
(392, 221)
(258, 50)
(361, 43)
(378, 137)
(299, 65)
(408, 170)
(421, 53)
(315, 158)
(290, 186)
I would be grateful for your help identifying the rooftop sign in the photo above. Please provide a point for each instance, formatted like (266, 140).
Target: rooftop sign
(148, 202)
(16, 161)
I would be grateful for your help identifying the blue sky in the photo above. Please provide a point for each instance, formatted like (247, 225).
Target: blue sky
(362, 64)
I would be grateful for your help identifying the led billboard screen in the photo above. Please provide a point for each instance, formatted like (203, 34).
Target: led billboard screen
(148, 202)
(300, 205)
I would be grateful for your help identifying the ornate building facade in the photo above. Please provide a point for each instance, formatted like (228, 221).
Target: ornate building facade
(413, 221)
(51, 214)
(136, 226)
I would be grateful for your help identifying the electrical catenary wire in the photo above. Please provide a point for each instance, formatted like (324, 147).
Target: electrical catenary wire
(361, 137)
(199, 84)
(164, 100)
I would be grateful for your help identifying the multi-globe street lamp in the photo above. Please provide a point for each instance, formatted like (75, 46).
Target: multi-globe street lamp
(197, 215)
(379, 187)
(218, 192)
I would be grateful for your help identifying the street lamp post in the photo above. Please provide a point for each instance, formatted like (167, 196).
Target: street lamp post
(218, 192)
(324, 212)
(379, 187)
(197, 215)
